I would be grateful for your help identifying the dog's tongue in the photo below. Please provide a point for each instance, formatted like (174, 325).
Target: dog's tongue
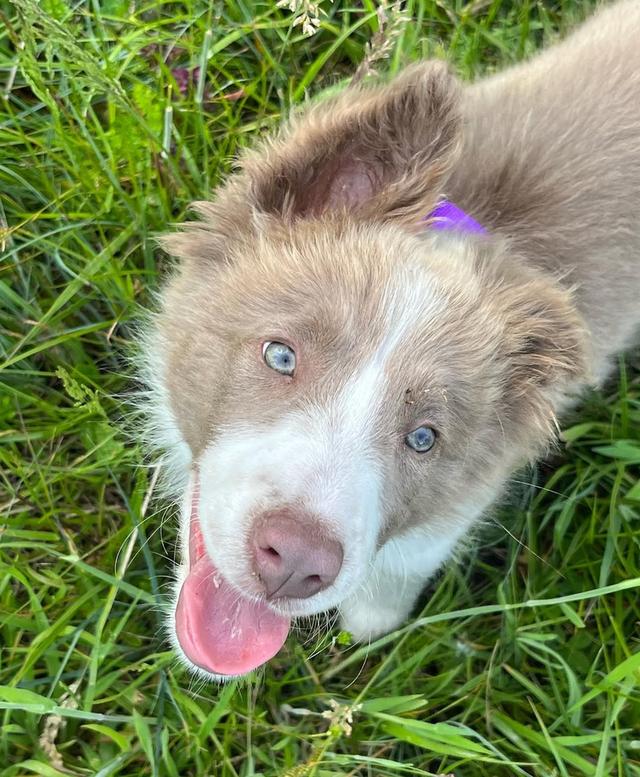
(218, 629)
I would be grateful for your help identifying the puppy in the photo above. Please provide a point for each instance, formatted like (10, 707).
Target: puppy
(377, 320)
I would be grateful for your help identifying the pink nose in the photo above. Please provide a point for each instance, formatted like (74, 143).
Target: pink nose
(292, 556)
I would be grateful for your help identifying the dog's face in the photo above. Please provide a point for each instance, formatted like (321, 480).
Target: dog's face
(337, 378)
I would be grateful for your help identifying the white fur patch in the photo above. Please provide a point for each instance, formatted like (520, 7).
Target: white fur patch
(399, 573)
(303, 460)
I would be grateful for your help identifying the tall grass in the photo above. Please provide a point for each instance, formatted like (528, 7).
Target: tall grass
(524, 660)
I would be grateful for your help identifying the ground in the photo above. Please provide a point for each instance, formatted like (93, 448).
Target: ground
(524, 658)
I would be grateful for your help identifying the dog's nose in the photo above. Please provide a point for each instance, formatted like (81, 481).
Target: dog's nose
(293, 557)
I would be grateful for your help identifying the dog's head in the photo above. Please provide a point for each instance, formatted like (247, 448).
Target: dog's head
(336, 372)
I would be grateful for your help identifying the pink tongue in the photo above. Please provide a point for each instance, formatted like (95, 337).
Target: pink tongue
(218, 629)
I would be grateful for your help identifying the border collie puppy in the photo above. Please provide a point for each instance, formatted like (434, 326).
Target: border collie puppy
(378, 319)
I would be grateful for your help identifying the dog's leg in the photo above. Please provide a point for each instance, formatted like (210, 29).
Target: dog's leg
(400, 572)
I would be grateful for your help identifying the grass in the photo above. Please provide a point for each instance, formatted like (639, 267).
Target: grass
(524, 659)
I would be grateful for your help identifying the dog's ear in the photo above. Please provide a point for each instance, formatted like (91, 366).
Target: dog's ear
(544, 353)
(378, 152)
(375, 152)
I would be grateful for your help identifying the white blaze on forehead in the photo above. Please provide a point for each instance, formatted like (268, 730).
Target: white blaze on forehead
(410, 301)
(346, 423)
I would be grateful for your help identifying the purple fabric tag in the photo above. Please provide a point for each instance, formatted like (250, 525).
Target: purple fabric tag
(448, 216)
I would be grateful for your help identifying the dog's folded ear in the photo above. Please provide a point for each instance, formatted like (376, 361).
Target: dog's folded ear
(544, 354)
(375, 152)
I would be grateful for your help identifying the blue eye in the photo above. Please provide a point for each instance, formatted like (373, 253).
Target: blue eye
(421, 439)
(279, 357)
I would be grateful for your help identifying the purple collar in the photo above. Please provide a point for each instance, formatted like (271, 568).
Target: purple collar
(449, 217)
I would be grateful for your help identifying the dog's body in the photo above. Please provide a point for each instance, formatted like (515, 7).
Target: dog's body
(344, 389)
(552, 158)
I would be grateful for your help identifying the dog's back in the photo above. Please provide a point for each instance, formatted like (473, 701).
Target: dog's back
(551, 158)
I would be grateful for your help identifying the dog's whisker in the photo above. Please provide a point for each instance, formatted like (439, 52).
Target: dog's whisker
(538, 487)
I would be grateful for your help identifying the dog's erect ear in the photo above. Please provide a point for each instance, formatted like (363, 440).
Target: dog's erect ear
(376, 152)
